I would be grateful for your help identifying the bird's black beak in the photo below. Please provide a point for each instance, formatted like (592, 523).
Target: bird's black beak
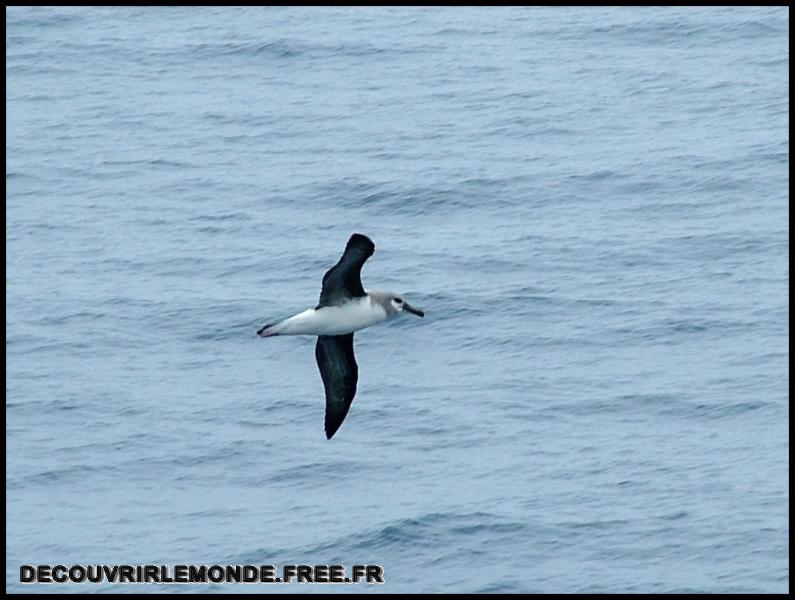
(412, 310)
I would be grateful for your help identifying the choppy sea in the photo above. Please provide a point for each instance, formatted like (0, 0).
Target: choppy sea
(590, 204)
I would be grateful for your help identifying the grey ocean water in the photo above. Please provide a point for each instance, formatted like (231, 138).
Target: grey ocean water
(590, 204)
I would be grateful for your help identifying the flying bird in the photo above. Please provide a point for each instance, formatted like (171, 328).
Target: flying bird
(344, 307)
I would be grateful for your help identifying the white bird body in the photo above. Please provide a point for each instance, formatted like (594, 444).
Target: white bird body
(354, 315)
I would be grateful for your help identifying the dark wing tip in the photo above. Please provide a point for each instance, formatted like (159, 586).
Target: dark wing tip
(337, 409)
(334, 419)
(360, 242)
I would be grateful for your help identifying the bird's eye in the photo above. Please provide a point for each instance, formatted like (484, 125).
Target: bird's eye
(399, 301)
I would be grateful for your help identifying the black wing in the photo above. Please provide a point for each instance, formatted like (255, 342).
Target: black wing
(344, 281)
(334, 354)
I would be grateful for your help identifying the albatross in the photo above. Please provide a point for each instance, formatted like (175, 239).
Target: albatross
(344, 308)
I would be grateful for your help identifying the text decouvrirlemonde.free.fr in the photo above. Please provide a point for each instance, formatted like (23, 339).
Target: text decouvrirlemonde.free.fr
(200, 574)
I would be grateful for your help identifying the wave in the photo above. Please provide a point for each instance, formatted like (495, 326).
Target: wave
(680, 405)
(426, 532)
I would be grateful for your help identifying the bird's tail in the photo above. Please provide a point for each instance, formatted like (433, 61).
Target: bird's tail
(268, 330)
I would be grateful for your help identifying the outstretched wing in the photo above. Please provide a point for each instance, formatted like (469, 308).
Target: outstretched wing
(337, 364)
(344, 281)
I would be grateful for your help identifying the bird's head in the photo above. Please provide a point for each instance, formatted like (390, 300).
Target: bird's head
(392, 304)
(399, 305)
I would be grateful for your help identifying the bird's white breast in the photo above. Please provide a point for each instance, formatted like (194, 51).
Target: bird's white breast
(335, 320)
